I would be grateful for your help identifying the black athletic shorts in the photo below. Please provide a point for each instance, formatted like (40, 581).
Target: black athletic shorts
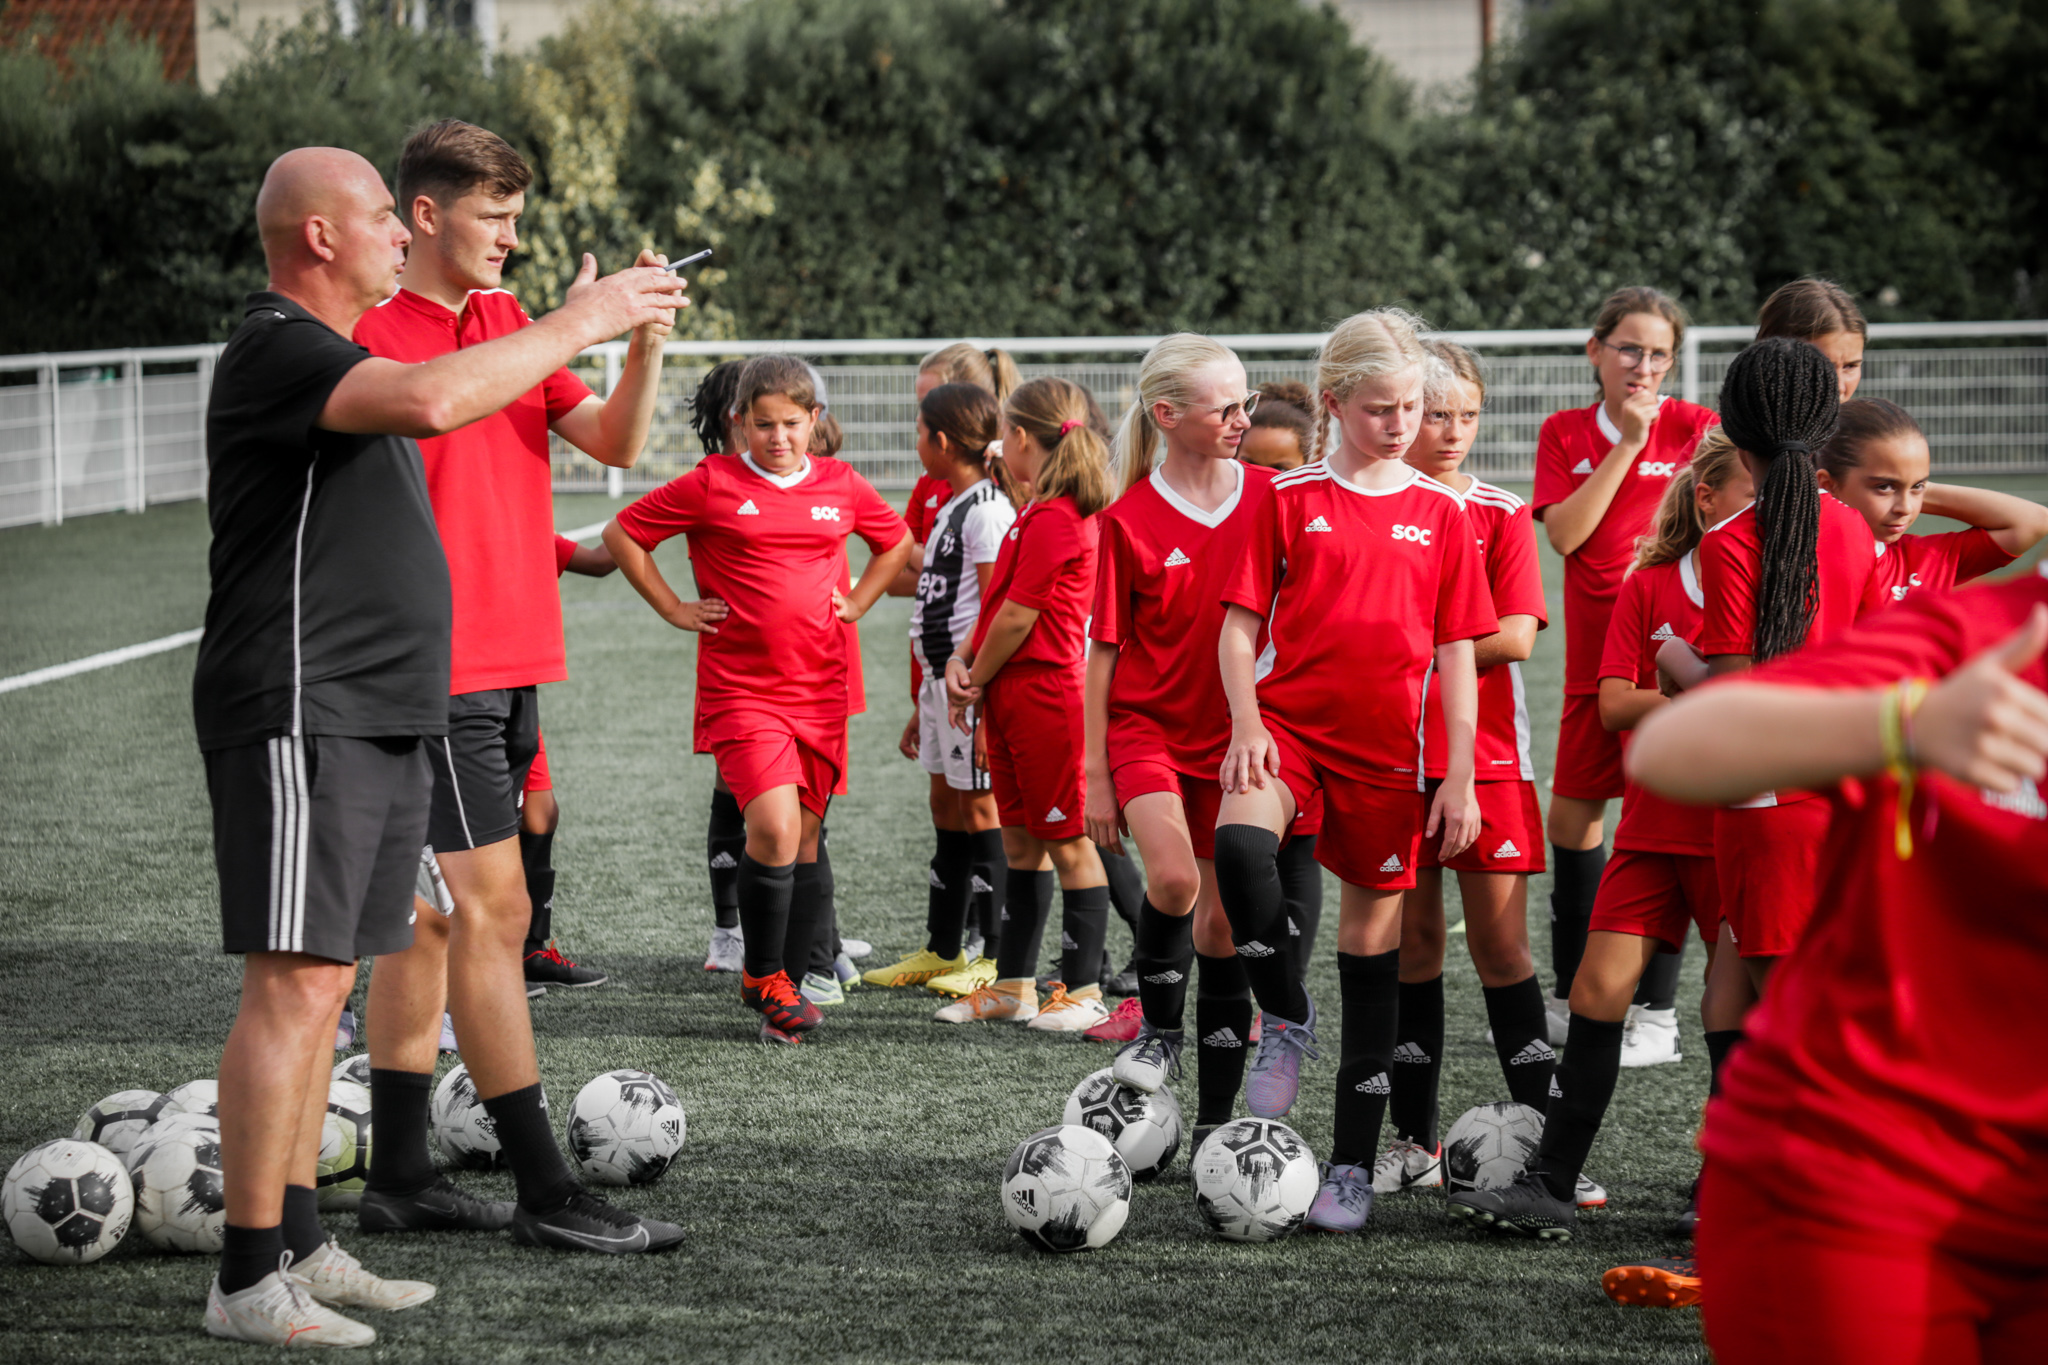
(317, 843)
(480, 768)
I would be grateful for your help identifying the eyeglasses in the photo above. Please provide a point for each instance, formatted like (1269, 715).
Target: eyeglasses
(1229, 411)
(1636, 358)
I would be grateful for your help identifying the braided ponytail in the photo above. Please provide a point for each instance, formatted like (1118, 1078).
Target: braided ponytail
(1780, 403)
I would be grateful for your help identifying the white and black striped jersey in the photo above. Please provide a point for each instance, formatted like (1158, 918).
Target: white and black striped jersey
(967, 531)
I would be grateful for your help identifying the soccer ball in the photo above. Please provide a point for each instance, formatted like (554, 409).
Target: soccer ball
(1490, 1145)
(465, 1130)
(1254, 1180)
(179, 1205)
(194, 1097)
(67, 1202)
(172, 1123)
(1145, 1129)
(118, 1121)
(625, 1127)
(1066, 1189)
(356, 1068)
(344, 1147)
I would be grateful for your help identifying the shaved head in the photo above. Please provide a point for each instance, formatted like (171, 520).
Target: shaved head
(331, 234)
(313, 182)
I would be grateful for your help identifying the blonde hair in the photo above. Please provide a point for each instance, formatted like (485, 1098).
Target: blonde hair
(1163, 377)
(965, 363)
(1076, 464)
(1368, 345)
(1676, 530)
(1453, 362)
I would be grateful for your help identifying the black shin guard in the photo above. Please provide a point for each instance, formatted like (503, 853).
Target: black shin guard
(1084, 926)
(1418, 1061)
(989, 879)
(825, 942)
(1576, 882)
(1248, 881)
(951, 890)
(725, 842)
(1223, 1023)
(1658, 990)
(528, 1143)
(1371, 996)
(1301, 896)
(399, 1160)
(537, 855)
(1027, 904)
(1165, 955)
(806, 912)
(1521, 1038)
(1584, 1085)
(764, 895)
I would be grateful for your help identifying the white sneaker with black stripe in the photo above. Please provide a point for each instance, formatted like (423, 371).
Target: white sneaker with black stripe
(1408, 1166)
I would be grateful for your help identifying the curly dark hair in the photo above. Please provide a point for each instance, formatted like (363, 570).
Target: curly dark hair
(711, 405)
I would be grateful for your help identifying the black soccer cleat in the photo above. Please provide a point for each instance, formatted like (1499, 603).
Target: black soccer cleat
(547, 967)
(441, 1207)
(1687, 1223)
(1525, 1208)
(588, 1223)
(1124, 982)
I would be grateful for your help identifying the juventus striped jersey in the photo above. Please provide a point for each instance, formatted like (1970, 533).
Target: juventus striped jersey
(965, 531)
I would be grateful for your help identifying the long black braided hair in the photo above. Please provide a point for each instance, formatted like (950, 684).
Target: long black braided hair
(711, 405)
(1780, 402)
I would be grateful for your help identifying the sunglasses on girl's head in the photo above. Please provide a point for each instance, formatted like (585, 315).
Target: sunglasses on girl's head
(1229, 411)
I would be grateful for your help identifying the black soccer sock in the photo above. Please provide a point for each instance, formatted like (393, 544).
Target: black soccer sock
(764, 896)
(1584, 1085)
(247, 1255)
(1223, 1023)
(1521, 1038)
(1371, 989)
(951, 890)
(1720, 1042)
(1084, 926)
(1575, 882)
(990, 877)
(303, 1234)
(1658, 990)
(825, 940)
(537, 856)
(1418, 1061)
(1165, 955)
(1027, 904)
(1248, 881)
(806, 909)
(1301, 898)
(725, 843)
(1126, 886)
(538, 1168)
(400, 1163)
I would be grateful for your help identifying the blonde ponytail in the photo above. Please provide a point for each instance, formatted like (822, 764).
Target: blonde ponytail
(1076, 463)
(1368, 345)
(964, 363)
(1164, 376)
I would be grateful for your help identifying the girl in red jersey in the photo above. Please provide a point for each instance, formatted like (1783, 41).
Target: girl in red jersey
(767, 534)
(1364, 573)
(1022, 668)
(1877, 462)
(1876, 1190)
(1824, 314)
(1661, 880)
(1600, 472)
(1493, 874)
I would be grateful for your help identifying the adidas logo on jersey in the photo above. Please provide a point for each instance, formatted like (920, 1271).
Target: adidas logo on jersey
(1507, 849)
(1067, 943)
(1375, 1085)
(1222, 1037)
(724, 862)
(1254, 949)
(1663, 633)
(938, 882)
(1392, 864)
(1584, 466)
(1176, 559)
(747, 509)
(1317, 525)
(2022, 800)
(1535, 1052)
(1412, 1054)
(1055, 815)
(1169, 977)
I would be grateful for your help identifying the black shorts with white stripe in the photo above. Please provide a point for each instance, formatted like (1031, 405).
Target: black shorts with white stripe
(317, 843)
(480, 768)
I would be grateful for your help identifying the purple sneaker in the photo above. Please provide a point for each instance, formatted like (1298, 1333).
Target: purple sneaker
(1275, 1076)
(1343, 1201)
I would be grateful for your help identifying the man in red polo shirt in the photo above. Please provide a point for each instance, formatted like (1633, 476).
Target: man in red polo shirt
(463, 188)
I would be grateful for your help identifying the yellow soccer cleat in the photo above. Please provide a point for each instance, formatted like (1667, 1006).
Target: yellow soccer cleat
(920, 967)
(966, 981)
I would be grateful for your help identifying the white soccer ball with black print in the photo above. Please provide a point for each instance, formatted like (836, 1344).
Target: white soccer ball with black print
(1490, 1145)
(1066, 1189)
(168, 1124)
(179, 1202)
(1254, 1180)
(462, 1126)
(1144, 1129)
(118, 1122)
(67, 1202)
(344, 1146)
(625, 1127)
(193, 1097)
(356, 1068)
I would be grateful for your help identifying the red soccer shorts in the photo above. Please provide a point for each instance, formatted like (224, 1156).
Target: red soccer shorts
(1031, 721)
(758, 751)
(537, 779)
(1768, 861)
(1510, 831)
(1588, 754)
(1200, 797)
(1372, 835)
(1654, 895)
(1778, 1284)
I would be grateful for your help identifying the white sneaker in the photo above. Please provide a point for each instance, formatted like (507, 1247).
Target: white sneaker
(1649, 1037)
(1589, 1193)
(337, 1279)
(725, 950)
(277, 1311)
(855, 948)
(1064, 1013)
(1558, 1019)
(1408, 1166)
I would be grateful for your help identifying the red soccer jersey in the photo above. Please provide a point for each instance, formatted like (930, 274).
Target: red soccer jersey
(565, 550)
(1047, 563)
(1659, 603)
(493, 494)
(1158, 600)
(1935, 563)
(1901, 1035)
(926, 499)
(1506, 537)
(774, 550)
(1570, 447)
(1358, 588)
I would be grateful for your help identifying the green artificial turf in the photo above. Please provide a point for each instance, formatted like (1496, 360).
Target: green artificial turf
(840, 1199)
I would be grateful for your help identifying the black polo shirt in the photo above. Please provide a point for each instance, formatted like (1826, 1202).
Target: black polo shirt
(330, 608)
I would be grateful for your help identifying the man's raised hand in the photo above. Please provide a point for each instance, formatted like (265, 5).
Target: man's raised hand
(642, 295)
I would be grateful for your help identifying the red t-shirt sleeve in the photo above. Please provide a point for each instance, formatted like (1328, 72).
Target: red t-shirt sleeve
(1464, 606)
(1553, 468)
(874, 520)
(563, 391)
(1973, 552)
(1050, 542)
(1728, 581)
(1110, 619)
(1621, 655)
(1514, 569)
(670, 510)
(1256, 577)
(565, 550)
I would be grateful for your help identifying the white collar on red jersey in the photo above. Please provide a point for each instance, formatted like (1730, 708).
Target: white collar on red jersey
(782, 481)
(1193, 513)
(1689, 577)
(1606, 423)
(1415, 477)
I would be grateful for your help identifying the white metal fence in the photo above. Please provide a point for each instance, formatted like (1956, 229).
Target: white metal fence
(109, 430)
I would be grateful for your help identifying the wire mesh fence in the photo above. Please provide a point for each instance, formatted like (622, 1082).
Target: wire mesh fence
(104, 431)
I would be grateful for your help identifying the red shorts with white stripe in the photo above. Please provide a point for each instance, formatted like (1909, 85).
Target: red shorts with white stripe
(1510, 831)
(1655, 895)
(1374, 834)
(537, 778)
(1031, 722)
(1588, 754)
(758, 751)
(1768, 861)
